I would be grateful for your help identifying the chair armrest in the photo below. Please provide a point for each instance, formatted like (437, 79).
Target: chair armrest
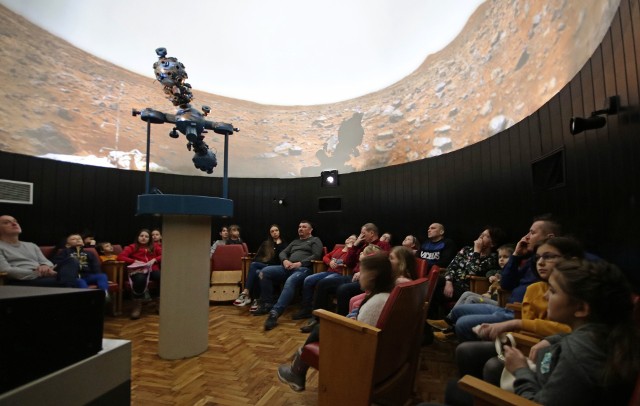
(3, 276)
(486, 394)
(503, 297)
(345, 322)
(516, 308)
(525, 340)
(478, 284)
(318, 266)
(114, 271)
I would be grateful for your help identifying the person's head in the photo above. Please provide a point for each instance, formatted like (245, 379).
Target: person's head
(74, 240)
(9, 227)
(435, 232)
(350, 240)
(504, 252)
(143, 238)
(304, 229)
(224, 233)
(104, 248)
(410, 242)
(552, 251)
(274, 232)
(582, 292)
(370, 232)
(386, 237)
(88, 239)
(156, 236)
(541, 228)
(369, 250)
(234, 231)
(376, 274)
(403, 262)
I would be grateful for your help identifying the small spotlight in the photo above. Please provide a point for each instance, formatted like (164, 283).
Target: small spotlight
(329, 178)
(579, 124)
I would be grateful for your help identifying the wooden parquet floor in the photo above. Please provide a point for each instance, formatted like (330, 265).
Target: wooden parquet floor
(239, 368)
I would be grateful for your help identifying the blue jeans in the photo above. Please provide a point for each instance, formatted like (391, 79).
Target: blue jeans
(310, 283)
(250, 285)
(467, 316)
(99, 279)
(273, 274)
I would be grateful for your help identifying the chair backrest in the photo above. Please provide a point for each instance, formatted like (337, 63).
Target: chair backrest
(402, 323)
(227, 258)
(245, 247)
(422, 268)
(117, 248)
(434, 273)
(47, 250)
(93, 251)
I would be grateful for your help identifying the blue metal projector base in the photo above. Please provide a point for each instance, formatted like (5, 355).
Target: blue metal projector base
(185, 205)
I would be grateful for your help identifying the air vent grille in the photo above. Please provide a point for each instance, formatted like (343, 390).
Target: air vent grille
(16, 192)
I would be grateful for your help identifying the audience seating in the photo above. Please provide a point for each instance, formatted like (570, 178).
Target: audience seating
(320, 266)
(227, 273)
(384, 358)
(115, 278)
(485, 393)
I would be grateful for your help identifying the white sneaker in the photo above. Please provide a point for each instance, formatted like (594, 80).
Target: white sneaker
(254, 305)
(242, 300)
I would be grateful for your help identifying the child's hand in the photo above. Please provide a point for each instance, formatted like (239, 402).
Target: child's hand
(513, 359)
(534, 350)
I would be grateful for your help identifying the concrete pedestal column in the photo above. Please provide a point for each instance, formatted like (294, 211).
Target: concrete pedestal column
(184, 287)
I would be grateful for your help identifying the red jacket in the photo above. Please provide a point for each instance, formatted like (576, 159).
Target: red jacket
(130, 254)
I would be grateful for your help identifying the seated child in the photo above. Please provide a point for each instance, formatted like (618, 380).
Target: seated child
(105, 251)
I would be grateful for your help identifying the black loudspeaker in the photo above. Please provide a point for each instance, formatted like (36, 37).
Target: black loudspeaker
(45, 329)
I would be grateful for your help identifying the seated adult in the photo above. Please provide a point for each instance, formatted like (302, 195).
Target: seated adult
(296, 265)
(437, 250)
(143, 259)
(346, 287)
(514, 277)
(474, 260)
(81, 262)
(24, 262)
(334, 261)
(378, 280)
(268, 254)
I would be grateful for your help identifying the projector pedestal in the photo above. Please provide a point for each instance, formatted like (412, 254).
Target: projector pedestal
(184, 286)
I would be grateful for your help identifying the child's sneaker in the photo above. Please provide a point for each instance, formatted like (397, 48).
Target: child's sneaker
(242, 300)
(254, 306)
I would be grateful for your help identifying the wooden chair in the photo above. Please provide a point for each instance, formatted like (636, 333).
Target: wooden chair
(422, 268)
(320, 266)
(487, 394)
(479, 284)
(115, 273)
(226, 273)
(116, 283)
(383, 358)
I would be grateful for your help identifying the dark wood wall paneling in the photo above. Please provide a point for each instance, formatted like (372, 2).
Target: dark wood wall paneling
(486, 183)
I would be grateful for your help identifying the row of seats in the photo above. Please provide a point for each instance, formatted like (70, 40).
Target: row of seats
(113, 269)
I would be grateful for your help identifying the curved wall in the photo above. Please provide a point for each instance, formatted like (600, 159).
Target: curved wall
(488, 182)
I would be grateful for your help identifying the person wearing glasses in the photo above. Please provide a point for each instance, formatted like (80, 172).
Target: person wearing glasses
(516, 276)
